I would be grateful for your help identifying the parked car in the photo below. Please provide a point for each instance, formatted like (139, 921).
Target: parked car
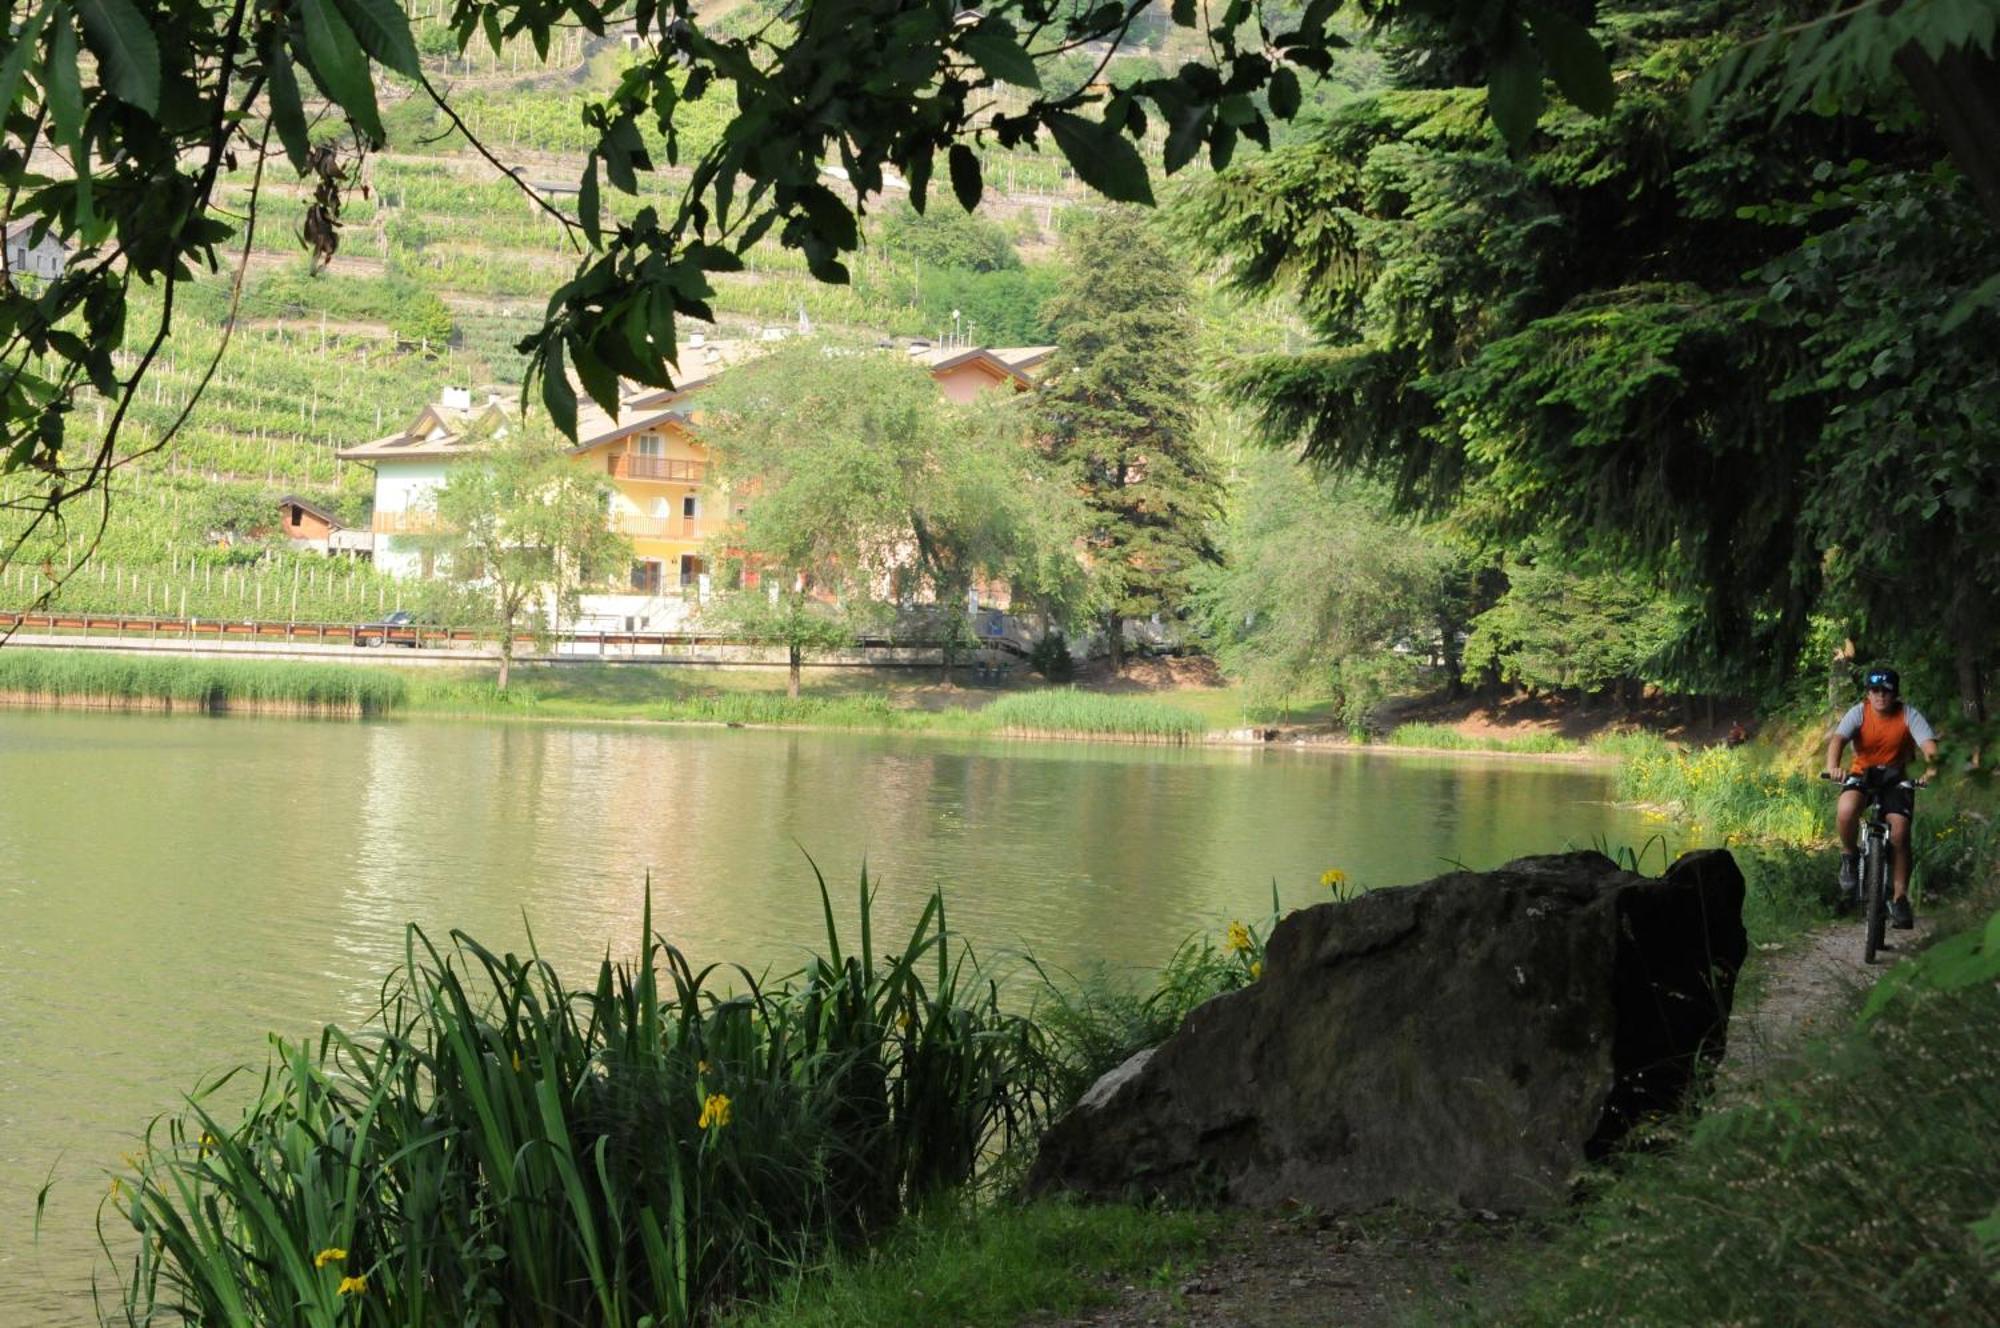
(379, 633)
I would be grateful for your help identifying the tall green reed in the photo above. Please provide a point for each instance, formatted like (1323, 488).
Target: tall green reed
(497, 1148)
(173, 682)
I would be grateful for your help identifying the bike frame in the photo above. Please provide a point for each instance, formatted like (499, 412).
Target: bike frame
(1877, 858)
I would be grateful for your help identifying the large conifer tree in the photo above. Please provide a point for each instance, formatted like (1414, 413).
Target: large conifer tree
(1116, 416)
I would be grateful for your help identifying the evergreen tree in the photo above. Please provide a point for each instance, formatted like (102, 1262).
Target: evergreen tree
(1115, 415)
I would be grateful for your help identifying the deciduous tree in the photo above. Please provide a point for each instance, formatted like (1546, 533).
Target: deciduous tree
(525, 524)
(860, 483)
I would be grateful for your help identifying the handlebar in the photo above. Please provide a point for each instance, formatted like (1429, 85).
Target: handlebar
(1853, 781)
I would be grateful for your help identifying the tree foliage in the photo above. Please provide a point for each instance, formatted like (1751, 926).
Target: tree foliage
(948, 238)
(1115, 413)
(1325, 593)
(524, 524)
(864, 485)
(1708, 352)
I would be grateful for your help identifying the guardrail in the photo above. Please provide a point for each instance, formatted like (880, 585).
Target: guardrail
(198, 630)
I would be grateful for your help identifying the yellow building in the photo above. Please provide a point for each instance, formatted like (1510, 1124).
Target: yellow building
(662, 499)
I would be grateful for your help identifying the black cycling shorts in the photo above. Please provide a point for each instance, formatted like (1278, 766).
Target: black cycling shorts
(1883, 785)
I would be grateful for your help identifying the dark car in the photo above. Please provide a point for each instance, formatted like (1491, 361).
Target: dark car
(379, 633)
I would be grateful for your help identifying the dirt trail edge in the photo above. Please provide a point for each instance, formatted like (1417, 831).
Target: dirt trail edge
(1304, 1270)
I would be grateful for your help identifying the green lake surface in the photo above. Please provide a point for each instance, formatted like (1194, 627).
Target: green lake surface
(173, 890)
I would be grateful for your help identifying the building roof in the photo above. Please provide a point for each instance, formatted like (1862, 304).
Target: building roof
(304, 505)
(446, 429)
(943, 359)
(439, 430)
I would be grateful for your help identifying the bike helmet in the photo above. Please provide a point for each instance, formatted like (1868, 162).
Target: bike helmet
(1886, 679)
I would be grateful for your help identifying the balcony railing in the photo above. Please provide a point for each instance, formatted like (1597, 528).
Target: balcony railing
(633, 466)
(403, 523)
(661, 527)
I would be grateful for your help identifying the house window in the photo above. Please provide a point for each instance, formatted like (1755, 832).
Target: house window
(690, 508)
(646, 576)
(296, 514)
(651, 445)
(691, 569)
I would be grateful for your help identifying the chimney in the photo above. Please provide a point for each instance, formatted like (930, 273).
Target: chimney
(457, 398)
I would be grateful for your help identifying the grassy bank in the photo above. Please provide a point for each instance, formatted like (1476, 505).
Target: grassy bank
(118, 681)
(869, 702)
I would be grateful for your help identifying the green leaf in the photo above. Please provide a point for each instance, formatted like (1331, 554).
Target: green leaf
(1284, 93)
(965, 177)
(1514, 92)
(339, 67)
(65, 85)
(1101, 157)
(557, 394)
(1575, 60)
(596, 376)
(288, 113)
(1183, 13)
(993, 48)
(128, 56)
(589, 210)
(25, 42)
(384, 33)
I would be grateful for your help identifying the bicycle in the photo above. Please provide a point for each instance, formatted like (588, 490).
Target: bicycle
(1876, 854)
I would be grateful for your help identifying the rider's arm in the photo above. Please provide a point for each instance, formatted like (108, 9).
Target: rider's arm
(1926, 740)
(1834, 742)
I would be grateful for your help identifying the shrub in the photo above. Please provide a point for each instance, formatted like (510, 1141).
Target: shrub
(1050, 657)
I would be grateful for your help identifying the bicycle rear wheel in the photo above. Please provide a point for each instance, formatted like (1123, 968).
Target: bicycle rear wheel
(1874, 896)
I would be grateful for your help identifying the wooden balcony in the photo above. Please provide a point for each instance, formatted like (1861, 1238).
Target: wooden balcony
(404, 523)
(671, 470)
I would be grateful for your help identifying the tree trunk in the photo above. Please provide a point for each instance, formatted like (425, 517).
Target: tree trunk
(1114, 636)
(1961, 90)
(794, 657)
(506, 655)
(1449, 655)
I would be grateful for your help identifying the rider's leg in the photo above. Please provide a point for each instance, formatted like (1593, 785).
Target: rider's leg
(1847, 819)
(1899, 844)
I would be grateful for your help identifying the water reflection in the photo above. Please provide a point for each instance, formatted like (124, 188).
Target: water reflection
(171, 890)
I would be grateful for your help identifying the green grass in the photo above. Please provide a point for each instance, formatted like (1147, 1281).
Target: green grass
(1443, 738)
(1065, 710)
(989, 1268)
(67, 677)
(1846, 1192)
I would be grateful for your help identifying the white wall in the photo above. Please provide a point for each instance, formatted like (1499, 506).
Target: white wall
(405, 486)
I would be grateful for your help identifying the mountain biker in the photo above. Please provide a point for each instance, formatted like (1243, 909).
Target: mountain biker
(1885, 732)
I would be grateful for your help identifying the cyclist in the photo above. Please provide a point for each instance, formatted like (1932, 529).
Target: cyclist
(1885, 732)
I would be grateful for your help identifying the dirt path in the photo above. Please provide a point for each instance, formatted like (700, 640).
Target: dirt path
(1797, 989)
(1302, 1269)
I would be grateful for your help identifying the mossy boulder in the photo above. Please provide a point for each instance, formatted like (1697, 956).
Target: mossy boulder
(1474, 1040)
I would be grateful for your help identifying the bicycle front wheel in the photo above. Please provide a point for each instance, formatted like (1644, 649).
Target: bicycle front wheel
(1874, 896)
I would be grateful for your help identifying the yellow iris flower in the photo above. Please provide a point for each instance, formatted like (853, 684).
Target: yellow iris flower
(714, 1112)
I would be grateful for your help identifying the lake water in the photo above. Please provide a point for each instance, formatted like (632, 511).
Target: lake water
(173, 889)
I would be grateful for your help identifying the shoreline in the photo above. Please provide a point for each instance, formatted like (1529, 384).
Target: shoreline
(1229, 739)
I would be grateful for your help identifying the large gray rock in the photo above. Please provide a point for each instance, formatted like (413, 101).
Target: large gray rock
(1473, 1040)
